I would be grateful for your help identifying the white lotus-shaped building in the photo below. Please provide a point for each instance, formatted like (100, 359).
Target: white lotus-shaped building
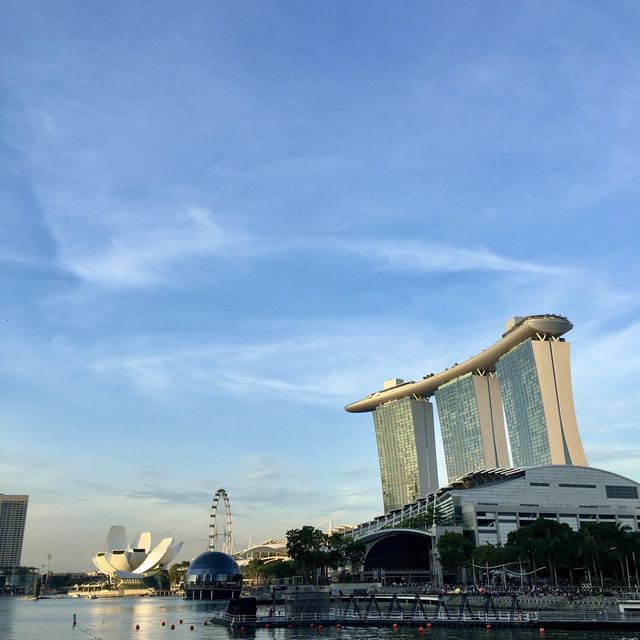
(124, 560)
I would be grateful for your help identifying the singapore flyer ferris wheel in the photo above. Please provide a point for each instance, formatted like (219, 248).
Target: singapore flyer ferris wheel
(220, 535)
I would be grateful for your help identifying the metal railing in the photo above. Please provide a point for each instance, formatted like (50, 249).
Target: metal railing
(341, 615)
(346, 616)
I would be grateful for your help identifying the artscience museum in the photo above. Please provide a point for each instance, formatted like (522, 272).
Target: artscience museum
(123, 560)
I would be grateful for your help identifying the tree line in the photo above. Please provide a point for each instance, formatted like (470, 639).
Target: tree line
(599, 553)
(311, 554)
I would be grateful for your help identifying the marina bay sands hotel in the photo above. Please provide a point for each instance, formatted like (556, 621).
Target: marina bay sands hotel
(524, 378)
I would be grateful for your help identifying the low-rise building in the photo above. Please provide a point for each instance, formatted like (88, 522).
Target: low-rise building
(488, 505)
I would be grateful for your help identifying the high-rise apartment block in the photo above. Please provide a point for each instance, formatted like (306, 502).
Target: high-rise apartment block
(13, 515)
(525, 378)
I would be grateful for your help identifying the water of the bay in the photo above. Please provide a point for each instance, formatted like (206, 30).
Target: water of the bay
(116, 619)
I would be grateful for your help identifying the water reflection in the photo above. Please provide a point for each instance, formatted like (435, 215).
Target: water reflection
(116, 619)
(7, 619)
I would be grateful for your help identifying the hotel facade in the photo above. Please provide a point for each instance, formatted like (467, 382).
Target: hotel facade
(522, 382)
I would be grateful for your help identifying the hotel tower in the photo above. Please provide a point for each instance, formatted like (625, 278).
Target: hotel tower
(525, 377)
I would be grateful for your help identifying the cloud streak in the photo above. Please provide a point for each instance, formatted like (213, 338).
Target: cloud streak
(326, 364)
(147, 250)
(147, 256)
(409, 255)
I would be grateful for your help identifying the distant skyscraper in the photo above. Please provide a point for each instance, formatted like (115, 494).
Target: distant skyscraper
(535, 379)
(13, 514)
(406, 449)
(471, 423)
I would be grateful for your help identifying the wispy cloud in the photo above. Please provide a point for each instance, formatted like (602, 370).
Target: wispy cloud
(316, 363)
(265, 485)
(262, 491)
(118, 250)
(410, 255)
(166, 495)
(134, 257)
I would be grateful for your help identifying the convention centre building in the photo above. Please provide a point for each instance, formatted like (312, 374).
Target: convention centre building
(487, 505)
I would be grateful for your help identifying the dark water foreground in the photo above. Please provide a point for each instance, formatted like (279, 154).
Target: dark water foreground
(116, 619)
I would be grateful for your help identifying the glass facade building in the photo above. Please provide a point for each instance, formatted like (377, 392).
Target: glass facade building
(535, 380)
(471, 423)
(522, 400)
(13, 515)
(406, 450)
(460, 427)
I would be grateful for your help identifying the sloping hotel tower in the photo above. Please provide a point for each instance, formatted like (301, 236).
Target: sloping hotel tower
(525, 378)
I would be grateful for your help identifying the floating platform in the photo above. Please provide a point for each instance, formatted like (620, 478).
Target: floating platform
(336, 618)
(420, 612)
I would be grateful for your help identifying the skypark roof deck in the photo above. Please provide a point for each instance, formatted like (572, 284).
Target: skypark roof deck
(517, 331)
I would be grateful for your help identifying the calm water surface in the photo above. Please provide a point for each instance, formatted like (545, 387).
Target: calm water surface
(115, 619)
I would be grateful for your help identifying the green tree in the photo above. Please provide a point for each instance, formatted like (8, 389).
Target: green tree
(355, 552)
(308, 546)
(548, 546)
(255, 569)
(455, 552)
(177, 571)
(279, 569)
(490, 555)
(336, 547)
(606, 548)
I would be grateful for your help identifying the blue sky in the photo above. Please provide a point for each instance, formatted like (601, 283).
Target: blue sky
(224, 221)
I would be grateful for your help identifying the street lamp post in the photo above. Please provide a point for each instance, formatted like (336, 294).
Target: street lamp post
(520, 566)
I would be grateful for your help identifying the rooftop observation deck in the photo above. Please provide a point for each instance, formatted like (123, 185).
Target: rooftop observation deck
(518, 330)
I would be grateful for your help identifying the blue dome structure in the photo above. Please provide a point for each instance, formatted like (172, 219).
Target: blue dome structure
(213, 576)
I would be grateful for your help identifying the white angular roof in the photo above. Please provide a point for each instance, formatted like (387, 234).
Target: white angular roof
(136, 559)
